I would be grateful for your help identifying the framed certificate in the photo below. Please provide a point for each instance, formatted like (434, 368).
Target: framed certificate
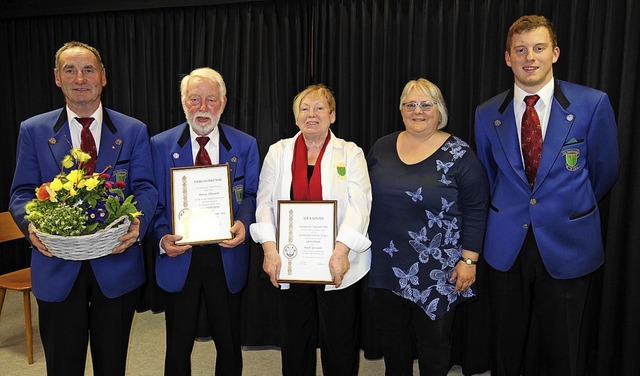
(306, 238)
(201, 204)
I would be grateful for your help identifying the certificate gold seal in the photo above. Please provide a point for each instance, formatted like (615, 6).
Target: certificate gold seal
(185, 216)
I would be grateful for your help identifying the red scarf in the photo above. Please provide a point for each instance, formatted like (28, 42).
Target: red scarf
(305, 189)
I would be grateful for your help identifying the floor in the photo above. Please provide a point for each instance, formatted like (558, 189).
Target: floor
(146, 350)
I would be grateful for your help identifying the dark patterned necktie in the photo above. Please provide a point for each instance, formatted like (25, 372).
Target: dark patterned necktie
(88, 145)
(531, 139)
(202, 158)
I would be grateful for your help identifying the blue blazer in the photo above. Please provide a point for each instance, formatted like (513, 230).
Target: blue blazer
(172, 148)
(43, 142)
(579, 165)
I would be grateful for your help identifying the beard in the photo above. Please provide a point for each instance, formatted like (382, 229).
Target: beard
(203, 129)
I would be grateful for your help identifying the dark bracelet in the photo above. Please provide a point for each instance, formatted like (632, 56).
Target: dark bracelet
(468, 261)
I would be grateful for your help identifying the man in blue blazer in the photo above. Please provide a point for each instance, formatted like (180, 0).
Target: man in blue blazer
(211, 275)
(81, 301)
(543, 236)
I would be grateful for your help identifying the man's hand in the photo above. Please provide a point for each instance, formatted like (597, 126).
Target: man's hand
(128, 239)
(35, 240)
(168, 243)
(239, 233)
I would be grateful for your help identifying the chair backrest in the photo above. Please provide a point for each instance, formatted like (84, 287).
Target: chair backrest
(8, 228)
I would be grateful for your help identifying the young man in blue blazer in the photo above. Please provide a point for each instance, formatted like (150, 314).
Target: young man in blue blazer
(543, 237)
(82, 301)
(212, 275)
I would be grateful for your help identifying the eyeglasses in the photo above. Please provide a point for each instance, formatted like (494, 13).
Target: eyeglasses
(425, 106)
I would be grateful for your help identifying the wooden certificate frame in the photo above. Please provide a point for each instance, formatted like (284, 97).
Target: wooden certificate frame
(306, 237)
(201, 204)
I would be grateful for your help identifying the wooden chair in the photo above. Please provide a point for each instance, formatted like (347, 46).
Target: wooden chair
(19, 280)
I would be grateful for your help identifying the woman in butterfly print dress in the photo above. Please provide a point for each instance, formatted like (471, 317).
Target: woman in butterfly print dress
(430, 200)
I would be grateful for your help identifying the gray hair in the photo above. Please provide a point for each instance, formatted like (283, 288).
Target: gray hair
(207, 73)
(428, 89)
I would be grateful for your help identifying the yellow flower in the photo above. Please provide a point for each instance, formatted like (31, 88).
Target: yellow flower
(79, 155)
(56, 185)
(68, 186)
(90, 183)
(52, 194)
(75, 176)
(67, 162)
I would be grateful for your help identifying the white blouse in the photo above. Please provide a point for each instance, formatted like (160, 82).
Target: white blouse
(345, 178)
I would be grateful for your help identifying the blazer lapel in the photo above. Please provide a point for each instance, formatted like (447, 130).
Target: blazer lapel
(60, 142)
(506, 129)
(110, 144)
(226, 155)
(181, 154)
(560, 123)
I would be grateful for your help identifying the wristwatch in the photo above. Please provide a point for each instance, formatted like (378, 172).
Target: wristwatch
(468, 261)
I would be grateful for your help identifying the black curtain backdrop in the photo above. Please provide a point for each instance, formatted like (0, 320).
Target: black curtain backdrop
(365, 50)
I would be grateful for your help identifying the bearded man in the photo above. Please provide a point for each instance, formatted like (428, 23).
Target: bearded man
(213, 274)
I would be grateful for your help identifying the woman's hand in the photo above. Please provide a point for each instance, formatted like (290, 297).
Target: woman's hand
(339, 263)
(271, 263)
(464, 275)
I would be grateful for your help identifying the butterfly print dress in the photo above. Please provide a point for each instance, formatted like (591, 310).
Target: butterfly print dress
(422, 216)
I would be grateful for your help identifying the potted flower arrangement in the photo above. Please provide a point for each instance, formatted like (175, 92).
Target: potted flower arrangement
(79, 216)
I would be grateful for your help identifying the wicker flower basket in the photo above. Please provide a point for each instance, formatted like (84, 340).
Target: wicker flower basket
(86, 247)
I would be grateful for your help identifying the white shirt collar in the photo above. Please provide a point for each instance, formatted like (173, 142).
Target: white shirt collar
(75, 128)
(545, 94)
(212, 146)
(543, 106)
(97, 116)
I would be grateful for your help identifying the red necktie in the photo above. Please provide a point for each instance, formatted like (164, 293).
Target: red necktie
(88, 145)
(531, 139)
(202, 158)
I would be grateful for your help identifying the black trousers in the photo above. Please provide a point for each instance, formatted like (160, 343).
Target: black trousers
(559, 307)
(87, 316)
(205, 285)
(312, 317)
(403, 326)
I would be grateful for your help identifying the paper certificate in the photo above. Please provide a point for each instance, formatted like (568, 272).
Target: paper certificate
(201, 204)
(306, 238)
